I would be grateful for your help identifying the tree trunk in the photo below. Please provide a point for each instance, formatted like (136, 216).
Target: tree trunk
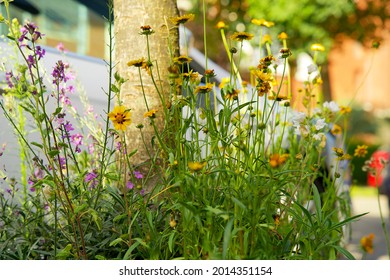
(130, 15)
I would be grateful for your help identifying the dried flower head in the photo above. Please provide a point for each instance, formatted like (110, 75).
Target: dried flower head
(285, 52)
(146, 30)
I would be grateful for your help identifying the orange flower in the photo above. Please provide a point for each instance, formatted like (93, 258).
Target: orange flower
(276, 160)
(367, 243)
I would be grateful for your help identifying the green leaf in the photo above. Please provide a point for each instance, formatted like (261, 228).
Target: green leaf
(96, 218)
(57, 111)
(64, 253)
(239, 203)
(171, 241)
(344, 251)
(119, 218)
(116, 242)
(114, 88)
(53, 153)
(100, 257)
(317, 202)
(80, 208)
(226, 238)
(130, 250)
(37, 144)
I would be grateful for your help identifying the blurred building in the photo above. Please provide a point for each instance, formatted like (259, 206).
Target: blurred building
(78, 24)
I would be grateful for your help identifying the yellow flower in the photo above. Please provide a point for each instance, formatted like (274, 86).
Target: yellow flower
(241, 36)
(262, 22)
(361, 151)
(172, 223)
(367, 243)
(204, 89)
(267, 39)
(336, 129)
(221, 25)
(137, 62)
(209, 73)
(231, 93)
(182, 19)
(338, 151)
(317, 47)
(282, 36)
(151, 114)
(345, 110)
(340, 154)
(182, 59)
(195, 166)
(120, 117)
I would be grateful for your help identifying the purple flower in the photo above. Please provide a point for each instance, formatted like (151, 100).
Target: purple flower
(32, 29)
(129, 185)
(68, 127)
(30, 61)
(138, 174)
(91, 178)
(76, 139)
(59, 73)
(65, 100)
(8, 78)
(40, 52)
(62, 162)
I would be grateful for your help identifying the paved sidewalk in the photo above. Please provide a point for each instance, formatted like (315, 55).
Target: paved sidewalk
(370, 223)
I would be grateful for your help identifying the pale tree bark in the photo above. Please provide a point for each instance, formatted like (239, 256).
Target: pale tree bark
(129, 16)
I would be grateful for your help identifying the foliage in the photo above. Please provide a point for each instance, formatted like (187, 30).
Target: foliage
(235, 178)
